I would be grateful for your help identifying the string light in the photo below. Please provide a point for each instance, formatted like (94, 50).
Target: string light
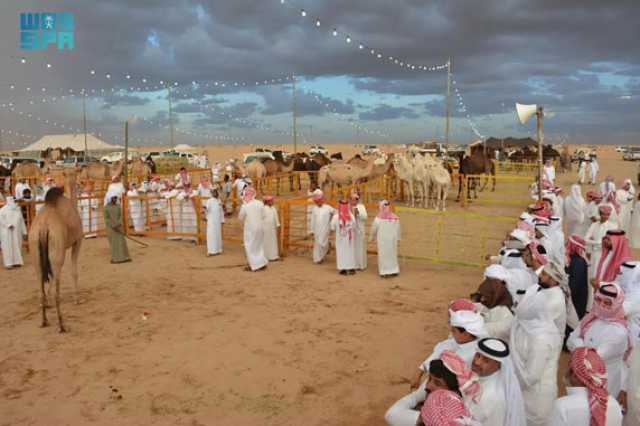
(380, 56)
(463, 109)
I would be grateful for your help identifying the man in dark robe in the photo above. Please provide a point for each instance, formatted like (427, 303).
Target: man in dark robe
(578, 270)
(113, 224)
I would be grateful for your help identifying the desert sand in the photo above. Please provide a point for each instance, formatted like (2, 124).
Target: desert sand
(296, 344)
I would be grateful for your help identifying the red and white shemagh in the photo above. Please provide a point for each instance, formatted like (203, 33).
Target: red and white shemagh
(592, 371)
(467, 379)
(575, 245)
(621, 254)
(445, 408)
(613, 313)
(462, 305)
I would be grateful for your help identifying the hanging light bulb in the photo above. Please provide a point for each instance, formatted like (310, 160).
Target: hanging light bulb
(317, 22)
(335, 32)
(92, 72)
(48, 65)
(373, 52)
(379, 55)
(108, 76)
(144, 80)
(303, 13)
(23, 61)
(127, 76)
(360, 46)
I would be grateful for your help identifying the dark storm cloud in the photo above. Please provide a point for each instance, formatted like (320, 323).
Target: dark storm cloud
(233, 115)
(279, 100)
(503, 51)
(387, 112)
(112, 100)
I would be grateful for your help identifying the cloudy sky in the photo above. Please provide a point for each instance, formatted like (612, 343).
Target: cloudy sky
(229, 65)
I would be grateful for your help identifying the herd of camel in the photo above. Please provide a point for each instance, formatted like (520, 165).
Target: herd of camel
(422, 175)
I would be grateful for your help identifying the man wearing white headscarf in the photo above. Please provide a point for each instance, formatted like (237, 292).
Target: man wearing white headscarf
(136, 208)
(634, 226)
(12, 231)
(252, 216)
(625, 197)
(500, 402)
(574, 217)
(593, 168)
(115, 187)
(549, 171)
(556, 235)
(215, 219)
(320, 226)
(536, 345)
(466, 328)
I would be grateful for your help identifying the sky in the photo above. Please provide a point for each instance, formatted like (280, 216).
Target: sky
(229, 67)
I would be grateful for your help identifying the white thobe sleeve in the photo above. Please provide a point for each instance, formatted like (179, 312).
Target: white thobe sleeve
(613, 344)
(312, 222)
(575, 341)
(437, 350)
(362, 211)
(558, 416)
(334, 222)
(243, 213)
(277, 219)
(536, 362)
(403, 412)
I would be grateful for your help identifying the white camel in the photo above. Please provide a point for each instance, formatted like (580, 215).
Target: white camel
(406, 174)
(440, 182)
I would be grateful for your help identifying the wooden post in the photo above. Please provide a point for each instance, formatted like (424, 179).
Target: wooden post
(539, 116)
(197, 205)
(463, 195)
(125, 213)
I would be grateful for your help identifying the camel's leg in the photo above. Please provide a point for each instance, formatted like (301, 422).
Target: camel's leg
(485, 182)
(493, 188)
(60, 324)
(75, 253)
(43, 301)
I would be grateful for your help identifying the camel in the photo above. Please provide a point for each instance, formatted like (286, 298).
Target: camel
(321, 159)
(140, 171)
(276, 168)
(54, 230)
(405, 172)
(303, 163)
(257, 172)
(476, 164)
(358, 161)
(440, 182)
(343, 174)
(26, 170)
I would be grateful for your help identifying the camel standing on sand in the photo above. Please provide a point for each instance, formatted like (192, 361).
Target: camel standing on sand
(440, 181)
(54, 230)
(476, 164)
(341, 173)
(406, 173)
(256, 171)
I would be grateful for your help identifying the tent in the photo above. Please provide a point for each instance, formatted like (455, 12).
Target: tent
(74, 141)
(495, 143)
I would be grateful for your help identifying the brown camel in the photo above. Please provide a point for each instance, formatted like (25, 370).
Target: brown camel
(277, 168)
(476, 164)
(54, 230)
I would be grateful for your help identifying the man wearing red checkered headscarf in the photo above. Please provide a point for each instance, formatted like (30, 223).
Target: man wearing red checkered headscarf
(446, 408)
(587, 401)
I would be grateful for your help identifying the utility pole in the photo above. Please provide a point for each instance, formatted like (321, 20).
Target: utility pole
(293, 109)
(125, 172)
(84, 126)
(448, 104)
(540, 135)
(171, 135)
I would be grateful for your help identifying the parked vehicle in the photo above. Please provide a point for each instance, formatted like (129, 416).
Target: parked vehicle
(317, 149)
(247, 158)
(621, 148)
(632, 154)
(370, 150)
(118, 156)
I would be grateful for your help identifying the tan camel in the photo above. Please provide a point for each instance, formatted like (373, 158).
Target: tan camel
(439, 183)
(343, 174)
(54, 230)
(26, 170)
(257, 172)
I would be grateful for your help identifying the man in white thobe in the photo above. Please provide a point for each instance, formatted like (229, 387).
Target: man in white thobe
(187, 219)
(549, 172)
(343, 223)
(605, 330)
(500, 402)
(466, 327)
(536, 345)
(136, 208)
(495, 302)
(607, 186)
(12, 231)
(625, 197)
(115, 187)
(19, 189)
(594, 236)
(386, 231)
(89, 212)
(587, 401)
(215, 219)
(171, 210)
(271, 227)
(582, 170)
(593, 169)
(359, 237)
(252, 216)
(321, 227)
(313, 191)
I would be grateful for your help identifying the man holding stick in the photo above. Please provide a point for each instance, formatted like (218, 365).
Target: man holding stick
(113, 223)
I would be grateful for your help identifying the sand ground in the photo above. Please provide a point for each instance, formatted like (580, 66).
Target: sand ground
(296, 344)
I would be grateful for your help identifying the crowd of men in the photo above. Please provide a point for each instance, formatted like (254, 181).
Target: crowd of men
(544, 292)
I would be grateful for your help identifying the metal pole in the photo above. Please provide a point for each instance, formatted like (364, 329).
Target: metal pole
(539, 117)
(125, 173)
(171, 135)
(448, 104)
(293, 109)
(84, 126)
